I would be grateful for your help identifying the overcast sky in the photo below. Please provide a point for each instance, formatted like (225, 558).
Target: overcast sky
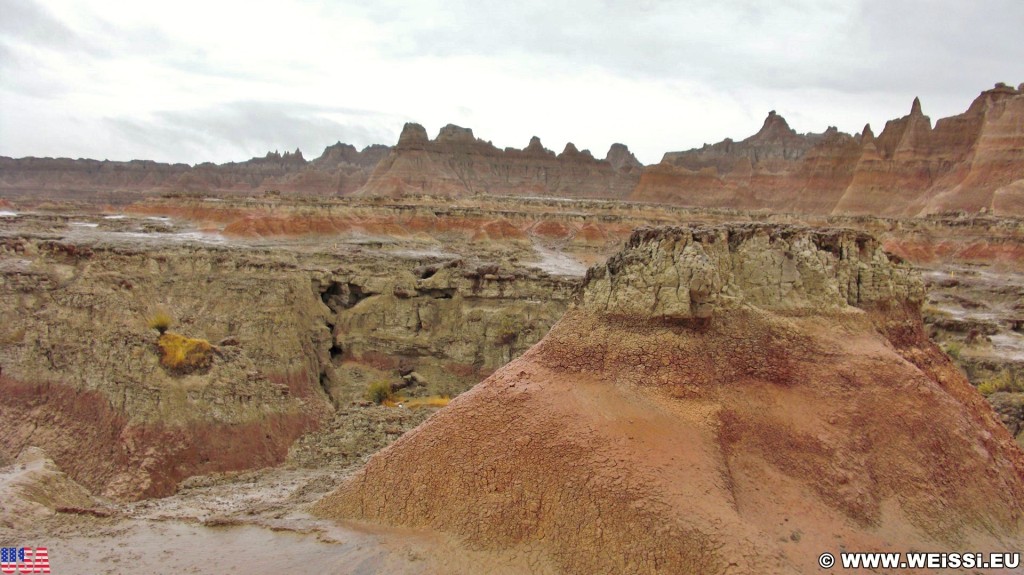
(225, 80)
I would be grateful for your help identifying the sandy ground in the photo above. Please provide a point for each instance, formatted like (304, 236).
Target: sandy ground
(253, 522)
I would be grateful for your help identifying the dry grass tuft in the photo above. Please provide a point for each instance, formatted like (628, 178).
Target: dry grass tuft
(432, 401)
(161, 321)
(184, 354)
(1002, 381)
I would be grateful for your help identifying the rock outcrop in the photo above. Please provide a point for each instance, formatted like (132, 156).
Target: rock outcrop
(33, 487)
(81, 373)
(286, 337)
(340, 170)
(745, 397)
(456, 164)
(971, 162)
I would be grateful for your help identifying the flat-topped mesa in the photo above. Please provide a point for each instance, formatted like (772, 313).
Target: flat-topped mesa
(680, 273)
(413, 136)
(453, 133)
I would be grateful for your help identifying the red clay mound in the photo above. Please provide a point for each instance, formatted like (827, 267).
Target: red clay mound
(552, 230)
(720, 400)
(500, 229)
(271, 226)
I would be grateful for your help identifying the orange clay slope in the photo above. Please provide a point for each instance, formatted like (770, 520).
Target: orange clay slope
(732, 399)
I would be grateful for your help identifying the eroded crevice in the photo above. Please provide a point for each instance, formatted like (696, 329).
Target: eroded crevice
(343, 295)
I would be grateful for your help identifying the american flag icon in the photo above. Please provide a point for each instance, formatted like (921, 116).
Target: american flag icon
(15, 560)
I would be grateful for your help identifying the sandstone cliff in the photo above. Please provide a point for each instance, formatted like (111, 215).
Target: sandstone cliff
(456, 163)
(745, 397)
(971, 162)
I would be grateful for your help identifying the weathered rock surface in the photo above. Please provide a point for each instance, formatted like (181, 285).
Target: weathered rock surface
(33, 487)
(1010, 407)
(743, 397)
(682, 273)
(82, 378)
(456, 164)
(973, 161)
(340, 170)
(297, 332)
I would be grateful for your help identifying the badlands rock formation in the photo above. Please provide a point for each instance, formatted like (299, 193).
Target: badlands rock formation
(745, 397)
(456, 163)
(298, 332)
(82, 379)
(970, 162)
(341, 169)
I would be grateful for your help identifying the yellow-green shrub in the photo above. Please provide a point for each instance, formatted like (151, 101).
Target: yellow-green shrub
(161, 321)
(1002, 381)
(432, 401)
(379, 392)
(184, 354)
(953, 349)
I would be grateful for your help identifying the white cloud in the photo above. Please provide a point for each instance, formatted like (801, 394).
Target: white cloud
(123, 79)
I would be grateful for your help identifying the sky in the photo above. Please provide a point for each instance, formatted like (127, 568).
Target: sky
(225, 80)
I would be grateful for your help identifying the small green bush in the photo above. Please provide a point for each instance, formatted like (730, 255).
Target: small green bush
(1002, 381)
(379, 392)
(953, 349)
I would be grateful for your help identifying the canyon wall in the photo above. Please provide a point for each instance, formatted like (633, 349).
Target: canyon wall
(296, 338)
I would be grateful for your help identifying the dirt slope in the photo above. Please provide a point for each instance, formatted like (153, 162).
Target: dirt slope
(735, 399)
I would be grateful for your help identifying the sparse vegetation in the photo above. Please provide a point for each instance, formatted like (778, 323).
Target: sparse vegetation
(184, 354)
(1002, 381)
(432, 401)
(379, 392)
(953, 349)
(161, 321)
(507, 330)
(382, 392)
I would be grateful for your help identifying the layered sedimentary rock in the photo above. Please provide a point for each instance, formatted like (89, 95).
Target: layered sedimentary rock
(294, 335)
(341, 169)
(82, 376)
(456, 163)
(745, 397)
(451, 321)
(973, 161)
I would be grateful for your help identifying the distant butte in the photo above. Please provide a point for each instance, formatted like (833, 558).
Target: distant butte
(971, 162)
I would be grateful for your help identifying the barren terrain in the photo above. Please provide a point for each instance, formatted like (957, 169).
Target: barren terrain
(748, 354)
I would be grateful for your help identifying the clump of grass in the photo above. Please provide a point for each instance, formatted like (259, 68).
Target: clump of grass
(184, 354)
(953, 349)
(380, 392)
(432, 401)
(1002, 381)
(161, 321)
